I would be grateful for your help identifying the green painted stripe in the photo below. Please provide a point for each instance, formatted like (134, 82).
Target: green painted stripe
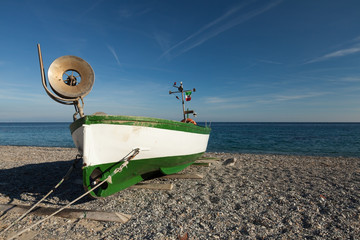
(139, 121)
(78, 123)
(135, 172)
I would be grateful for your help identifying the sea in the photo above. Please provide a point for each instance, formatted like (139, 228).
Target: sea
(306, 139)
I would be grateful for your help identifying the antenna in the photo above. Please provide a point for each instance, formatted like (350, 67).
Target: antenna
(71, 79)
(187, 98)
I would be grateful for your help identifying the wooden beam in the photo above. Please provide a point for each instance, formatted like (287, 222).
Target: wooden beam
(209, 158)
(184, 176)
(201, 164)
(153, 186)
(206, 161)
(68, 213)
(28, 235)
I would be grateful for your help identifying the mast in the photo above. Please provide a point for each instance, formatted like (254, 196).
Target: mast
(183, 92)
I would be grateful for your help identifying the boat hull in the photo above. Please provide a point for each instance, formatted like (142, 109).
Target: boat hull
(166, 147)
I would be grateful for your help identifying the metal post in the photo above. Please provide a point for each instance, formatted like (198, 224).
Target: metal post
(43, 80)
(182, 98)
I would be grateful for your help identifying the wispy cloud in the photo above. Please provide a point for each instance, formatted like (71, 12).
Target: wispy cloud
(89, 8)
(300, 96)
(269, 61)
(350, 79)
(222, 103)
(277, 98)
(339, 53)
(216, 100)
(128, 13)
(225, 22)
(10, 94)
(111, 49)
(203, 29)
(260, 99)
(162, 40)
(352, 48)
(356, 39)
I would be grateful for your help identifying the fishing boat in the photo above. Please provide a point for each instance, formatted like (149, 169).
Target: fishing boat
(149, 147)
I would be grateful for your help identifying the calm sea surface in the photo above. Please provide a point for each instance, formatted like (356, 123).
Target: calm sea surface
(320, 139)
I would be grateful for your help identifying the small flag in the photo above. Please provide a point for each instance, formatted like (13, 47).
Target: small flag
(188, 96)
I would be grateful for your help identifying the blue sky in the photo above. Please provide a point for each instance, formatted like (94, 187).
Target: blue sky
(249, 60)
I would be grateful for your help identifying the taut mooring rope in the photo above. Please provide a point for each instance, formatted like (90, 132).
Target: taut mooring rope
(66, 177)
(126, 160)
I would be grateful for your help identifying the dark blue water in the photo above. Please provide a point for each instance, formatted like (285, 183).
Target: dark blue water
(36, 134)
(316, 139)
(320, 139)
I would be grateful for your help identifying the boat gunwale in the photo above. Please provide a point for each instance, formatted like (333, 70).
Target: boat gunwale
(138, 121)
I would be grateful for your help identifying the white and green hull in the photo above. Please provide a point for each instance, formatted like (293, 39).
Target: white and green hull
(166, 147)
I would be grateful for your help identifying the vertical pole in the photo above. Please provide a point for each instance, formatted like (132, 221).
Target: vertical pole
(182, 98)
(41, 67)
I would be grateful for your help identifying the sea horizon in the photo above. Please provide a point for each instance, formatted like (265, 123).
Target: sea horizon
(199, 122)
(290, 138)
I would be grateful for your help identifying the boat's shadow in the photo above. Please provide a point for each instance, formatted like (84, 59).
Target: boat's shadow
(31, 182)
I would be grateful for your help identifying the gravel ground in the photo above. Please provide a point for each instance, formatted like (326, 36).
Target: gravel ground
(242, 196)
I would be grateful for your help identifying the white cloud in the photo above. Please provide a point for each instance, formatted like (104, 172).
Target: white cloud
(111, 49)
(339, 53)
(350, 79)
(134, 11)
(240, 102)
(357, 39)
(216, 27)
(300, 96)
(269, 61)
(9, 94)
(163, 41)
(216, 100)
(200, 31)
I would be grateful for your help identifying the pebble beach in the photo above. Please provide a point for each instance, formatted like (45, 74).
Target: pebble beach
(241, 196)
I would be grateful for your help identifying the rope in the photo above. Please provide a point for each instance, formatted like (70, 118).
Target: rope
(66, 177)
(126, 160)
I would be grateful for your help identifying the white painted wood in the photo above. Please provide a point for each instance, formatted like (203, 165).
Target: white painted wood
(106, 143)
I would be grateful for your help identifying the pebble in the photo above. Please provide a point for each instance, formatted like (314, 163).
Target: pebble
(242, 196)
(230, 162)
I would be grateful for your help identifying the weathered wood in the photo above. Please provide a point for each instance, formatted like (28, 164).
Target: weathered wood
(28, 235)
(209, 158)
(68, 213)
(205, 161)
(184, 176)
(153, 186)
(123, 217)
(201, 164)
